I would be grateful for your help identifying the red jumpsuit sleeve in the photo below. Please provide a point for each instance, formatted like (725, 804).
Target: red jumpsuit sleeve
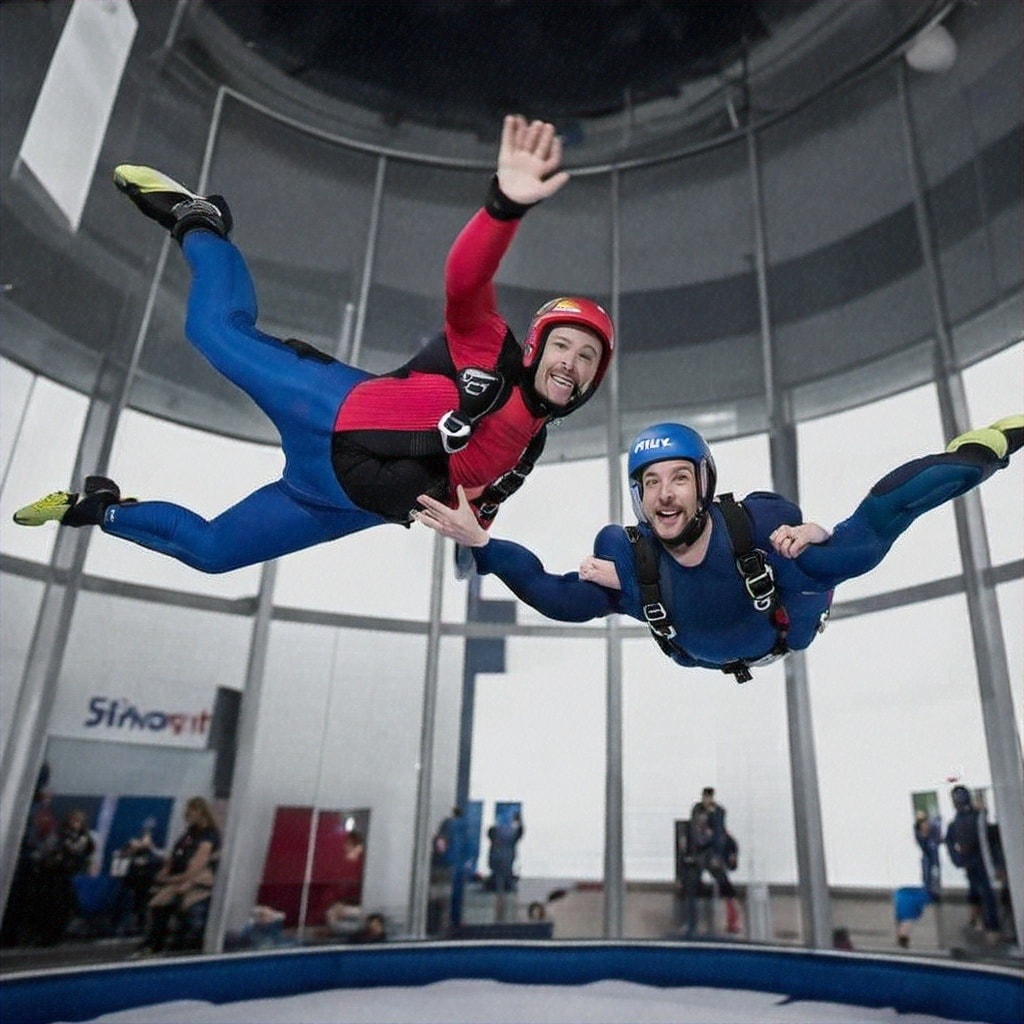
(474, 328)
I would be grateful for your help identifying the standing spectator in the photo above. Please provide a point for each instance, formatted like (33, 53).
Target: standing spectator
(64, 855)
(712, 849)
(448, 858)
(185, 882)
(135, 865)
(504, 837)
(968, 844)
(928, 833)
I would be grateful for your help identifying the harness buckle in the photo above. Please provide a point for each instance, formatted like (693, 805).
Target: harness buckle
(739, 669)
(758, 578)
(455, 430)
(657, 619)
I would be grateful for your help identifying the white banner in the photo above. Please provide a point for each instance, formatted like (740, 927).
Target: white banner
(66, 131)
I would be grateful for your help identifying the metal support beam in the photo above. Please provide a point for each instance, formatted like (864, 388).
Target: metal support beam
(420, 880)
(243, 800)
(614, 874)
(815, 908)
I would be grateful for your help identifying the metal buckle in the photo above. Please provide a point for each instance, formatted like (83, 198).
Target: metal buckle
(758, 578)
(455, 430)
(657, 619)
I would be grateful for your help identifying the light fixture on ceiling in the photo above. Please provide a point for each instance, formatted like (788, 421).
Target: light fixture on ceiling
(933, 50)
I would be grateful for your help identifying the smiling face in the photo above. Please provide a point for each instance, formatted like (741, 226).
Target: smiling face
(669, 496)
(568, 364)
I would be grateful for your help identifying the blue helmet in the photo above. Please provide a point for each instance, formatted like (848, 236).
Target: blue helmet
(660, 443)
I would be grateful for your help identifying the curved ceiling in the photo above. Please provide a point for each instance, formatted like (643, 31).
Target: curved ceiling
(463, 63)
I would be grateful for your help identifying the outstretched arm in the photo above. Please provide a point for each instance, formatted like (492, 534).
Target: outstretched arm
(563, 598)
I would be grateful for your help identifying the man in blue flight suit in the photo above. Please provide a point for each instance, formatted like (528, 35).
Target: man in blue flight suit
(723, 584)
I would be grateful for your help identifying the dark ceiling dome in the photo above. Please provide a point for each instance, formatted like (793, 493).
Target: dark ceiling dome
(462, 64)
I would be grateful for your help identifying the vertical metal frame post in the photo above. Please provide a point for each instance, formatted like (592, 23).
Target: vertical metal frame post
(614, 882)
(419, 882)
(815, 907)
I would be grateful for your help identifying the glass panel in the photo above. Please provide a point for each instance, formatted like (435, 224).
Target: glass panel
(842, 456)
(557, 514)
(539, 739)
(685, 729)
(28, 476)
(16, 385)
(1011, 610)
(156, 460)
(904, 681)
(20, 599)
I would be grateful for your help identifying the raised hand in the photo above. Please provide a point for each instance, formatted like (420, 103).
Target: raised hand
(528, 160)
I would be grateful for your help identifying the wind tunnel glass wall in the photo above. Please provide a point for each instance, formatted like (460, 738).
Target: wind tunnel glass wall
(851, 321)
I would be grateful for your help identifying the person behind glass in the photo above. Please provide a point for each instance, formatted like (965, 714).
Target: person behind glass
(18, 920)
(345, 898)
(138, 862)
(714, 850)
(470, 409)
(63, 856)
(184, 884)
(967, 840)
(448, 860)
(504, 837)
(373, 930)
(928, 835)
(724, 584)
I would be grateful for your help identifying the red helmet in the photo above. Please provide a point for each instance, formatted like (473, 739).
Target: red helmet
(576, 312)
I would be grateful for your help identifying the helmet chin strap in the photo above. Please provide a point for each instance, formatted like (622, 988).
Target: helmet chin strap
(691, 532)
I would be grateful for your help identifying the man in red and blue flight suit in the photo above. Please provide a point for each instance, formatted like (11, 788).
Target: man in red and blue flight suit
(468, 411)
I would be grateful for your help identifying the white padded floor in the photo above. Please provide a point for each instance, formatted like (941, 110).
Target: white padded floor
(465, 1001)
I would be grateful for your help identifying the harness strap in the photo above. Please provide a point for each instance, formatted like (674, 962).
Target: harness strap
(656, 615)
(508, 483)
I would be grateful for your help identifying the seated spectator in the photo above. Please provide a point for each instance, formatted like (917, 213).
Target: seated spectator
(342, 919)
(184, 884)
(373, 930)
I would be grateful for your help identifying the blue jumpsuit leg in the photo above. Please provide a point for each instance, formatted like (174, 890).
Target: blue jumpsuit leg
(859, 543)
(300, 395)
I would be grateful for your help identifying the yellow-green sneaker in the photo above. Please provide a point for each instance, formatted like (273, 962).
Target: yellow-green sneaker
(988, 437)
(50, 509)
(1002, 438)
(71, 508)
(1013, 428)
(170, 203)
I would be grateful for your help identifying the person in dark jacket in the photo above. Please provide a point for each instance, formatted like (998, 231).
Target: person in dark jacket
(63, 856)
(967, 841)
